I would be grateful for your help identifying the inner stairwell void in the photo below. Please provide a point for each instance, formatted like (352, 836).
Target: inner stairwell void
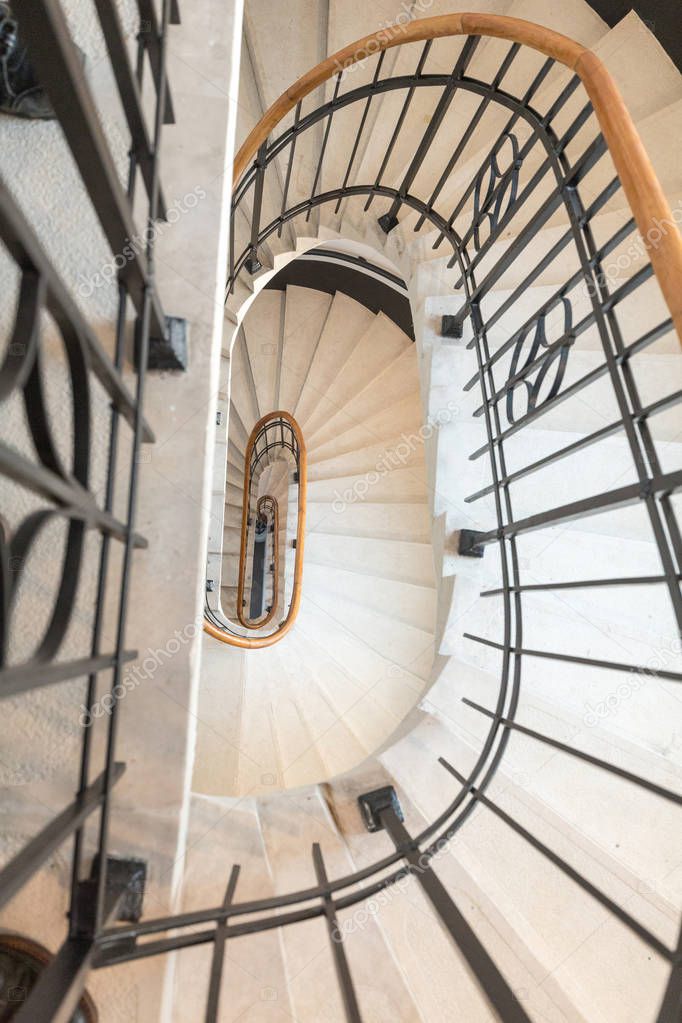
(361, 652)
(417, 756)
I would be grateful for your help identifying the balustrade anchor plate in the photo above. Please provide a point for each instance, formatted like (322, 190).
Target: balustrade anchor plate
(170, 352)
(469, 545)
(253, 264)
(21, 94)
(126, 881)
(372, 804)
(387, 222)
(452, 327)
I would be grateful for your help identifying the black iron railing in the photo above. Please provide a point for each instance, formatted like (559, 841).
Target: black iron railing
(527, 214)
(63, 484)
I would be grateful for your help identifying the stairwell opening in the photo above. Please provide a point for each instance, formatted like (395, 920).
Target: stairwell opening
(343, 367)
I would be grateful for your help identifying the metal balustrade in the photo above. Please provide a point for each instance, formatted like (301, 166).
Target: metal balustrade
(536, 167)
(547, 165)
(66, 488)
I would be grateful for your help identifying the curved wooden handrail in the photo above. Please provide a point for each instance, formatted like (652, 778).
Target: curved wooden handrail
(262, 622)
(641, 186)
(258, 642)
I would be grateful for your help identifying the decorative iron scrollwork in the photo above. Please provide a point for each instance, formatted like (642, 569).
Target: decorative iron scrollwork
(497, 186)
(21, 93)
(537, 386)
(22, 370)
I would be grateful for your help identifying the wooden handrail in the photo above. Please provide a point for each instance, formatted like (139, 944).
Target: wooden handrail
(258, 642)
(641, 186)
(646, 198)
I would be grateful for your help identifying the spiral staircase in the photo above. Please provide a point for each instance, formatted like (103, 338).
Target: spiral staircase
(556, 967)
(320, 701)
(446, 779)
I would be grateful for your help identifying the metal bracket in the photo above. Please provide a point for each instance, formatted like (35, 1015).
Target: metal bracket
(126, 880)
(469, 543)
(387, 222)
(210, 585)
(169, 352)
(125, 884)
(21, 94)
(253, 263)
(372, 804)
(452, 327)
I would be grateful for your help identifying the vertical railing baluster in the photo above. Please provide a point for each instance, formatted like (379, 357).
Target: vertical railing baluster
(152, 32)
(325, 140)
(389, 220)
(253, 263)
(530, 92)
(350, 1002)
(401, 120)
(546, 120)
(231, 277)
(290, 164)
(143, 325)
(671, 1006)
(218, 959)
(575, 876)
(664, 524)
(91, 692)
(491, 981)
(363, 121)
(470, 129)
